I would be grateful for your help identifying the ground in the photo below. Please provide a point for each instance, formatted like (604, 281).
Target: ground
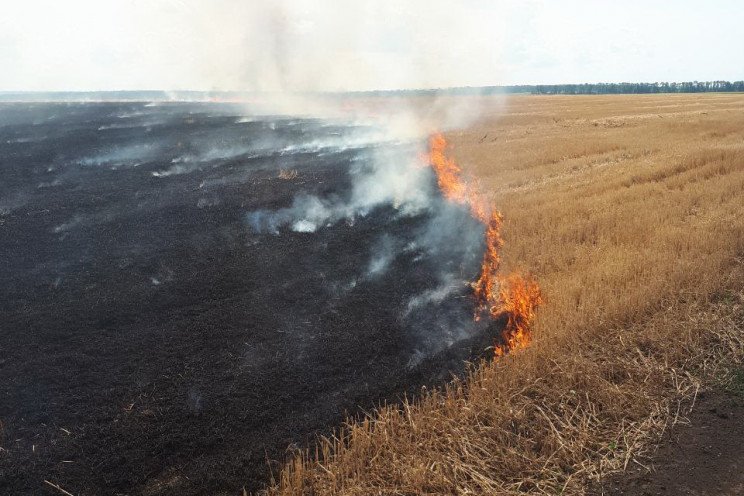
(702, 457)
(604, 170)
(154, 341)
(627, 210)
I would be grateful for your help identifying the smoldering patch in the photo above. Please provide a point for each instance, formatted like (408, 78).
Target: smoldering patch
(412, 237)
(383, 252)
(74, 222)
(431, 296)
(123, 156)
(12, 202)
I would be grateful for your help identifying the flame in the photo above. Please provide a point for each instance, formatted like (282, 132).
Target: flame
(449, 179)
(513, 296)
(519, 299)
(448, 172)
(485, 288)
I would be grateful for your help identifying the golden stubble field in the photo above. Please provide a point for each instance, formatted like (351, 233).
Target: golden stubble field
(617, 203)
(629, 211)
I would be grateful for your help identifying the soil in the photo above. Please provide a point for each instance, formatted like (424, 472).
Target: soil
(152, 343)
(705, 457)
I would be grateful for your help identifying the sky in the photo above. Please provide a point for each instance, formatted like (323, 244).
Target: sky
(336, 45)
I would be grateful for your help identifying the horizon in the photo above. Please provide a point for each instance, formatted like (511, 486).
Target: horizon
(442, 89)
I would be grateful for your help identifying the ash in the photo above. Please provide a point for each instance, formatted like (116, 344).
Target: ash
(187, 292)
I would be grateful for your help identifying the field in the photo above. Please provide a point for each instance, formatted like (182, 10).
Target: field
(192, 295)
(177, 276)
(628, 211)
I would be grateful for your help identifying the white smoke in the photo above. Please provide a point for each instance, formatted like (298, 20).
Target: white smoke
(291, 53)
(436, 296)
(383, 254)
(294, 49)
(387, 177)
(446, 242)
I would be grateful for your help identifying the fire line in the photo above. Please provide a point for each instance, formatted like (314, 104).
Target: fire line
(514, 296)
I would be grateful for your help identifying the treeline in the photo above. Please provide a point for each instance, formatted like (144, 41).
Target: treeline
(568, 89)
(637, 88)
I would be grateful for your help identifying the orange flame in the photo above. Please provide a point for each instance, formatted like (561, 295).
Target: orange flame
(448, 172)
(449, 179)
(514, 296)
(519, 300)
(485, 288)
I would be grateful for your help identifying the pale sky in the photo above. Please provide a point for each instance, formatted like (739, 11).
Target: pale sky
(359, 45)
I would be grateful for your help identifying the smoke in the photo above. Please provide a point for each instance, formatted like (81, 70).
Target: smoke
(291, 46)
(390, 178)
(383, 253)
(281, 46)
(413, 230)
(288, 53)
(306, 214)
(294, 51)
(291, 53)
(386, 176)
(435, 296)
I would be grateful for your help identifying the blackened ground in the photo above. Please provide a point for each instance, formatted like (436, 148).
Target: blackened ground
(150, 342)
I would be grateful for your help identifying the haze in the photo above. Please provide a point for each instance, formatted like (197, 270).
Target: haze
(47, 45)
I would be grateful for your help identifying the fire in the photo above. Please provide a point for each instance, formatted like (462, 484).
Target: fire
(513, 296)
(448, 172)
(485, 288)
(449, 179)
(519, 300)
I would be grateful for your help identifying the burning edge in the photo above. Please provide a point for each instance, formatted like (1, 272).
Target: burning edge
(513, 296)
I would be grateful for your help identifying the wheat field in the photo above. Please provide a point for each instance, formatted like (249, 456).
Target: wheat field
(629, 211)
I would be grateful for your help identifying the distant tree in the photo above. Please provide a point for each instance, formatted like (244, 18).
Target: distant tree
(629, 88)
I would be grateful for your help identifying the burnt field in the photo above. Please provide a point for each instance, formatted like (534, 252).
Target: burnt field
(186, 292)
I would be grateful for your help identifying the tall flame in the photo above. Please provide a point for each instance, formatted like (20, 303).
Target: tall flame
(513, 296)
(519, 299)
